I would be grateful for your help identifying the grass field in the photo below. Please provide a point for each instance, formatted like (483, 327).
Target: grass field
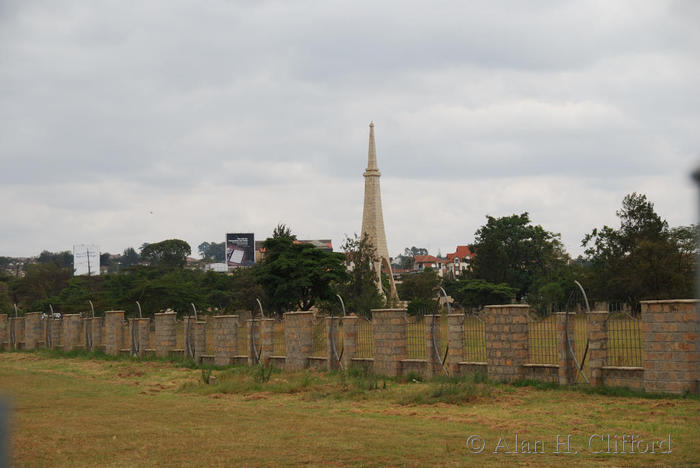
(100, 412)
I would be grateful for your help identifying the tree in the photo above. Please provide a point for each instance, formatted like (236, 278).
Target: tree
(212, 251)
(171, 253)
(511, 250)
(360, 293)
(421, 290)
(477, 293)
(296, 276)
(130, 257)
(62, 259)
(643, 258)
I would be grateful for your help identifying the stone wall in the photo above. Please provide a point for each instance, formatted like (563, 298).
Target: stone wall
(225, 339)
(114, 331)
(298, 339)
(389, 335)
(671, 345)
(166, 339)
(349, 340)
(506, 328)
(455, 332)
(32, 330)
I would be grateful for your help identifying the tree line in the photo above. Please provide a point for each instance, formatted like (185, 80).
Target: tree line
(514, 260)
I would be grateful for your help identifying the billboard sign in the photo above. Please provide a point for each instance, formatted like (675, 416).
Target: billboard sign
(86, 260)
(240, 249)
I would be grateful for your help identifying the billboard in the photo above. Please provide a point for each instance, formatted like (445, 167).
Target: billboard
(240, 249)
(86, 260)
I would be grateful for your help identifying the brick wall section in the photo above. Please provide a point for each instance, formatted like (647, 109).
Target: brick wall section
(54, 332)
(166, 323)
(225, 339)
(333, 327)
(506, 329)
(630, 377)
(143, 334)
(95, 324)
(671, 348)
(349, 339)
(567, 366)
(389, 334)
(455, 337)
(433, 359)
(32, 330)
(188, 327)
(18, 323)
(267, 330)
(253, 342)
(4, 331)
(114, 330)
(597, 345)
(71, 331)
(199, 331)
(298, 338)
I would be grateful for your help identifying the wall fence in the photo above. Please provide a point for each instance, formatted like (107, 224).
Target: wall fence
(656, 351)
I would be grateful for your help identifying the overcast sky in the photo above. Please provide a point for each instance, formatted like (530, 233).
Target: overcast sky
(131, 122)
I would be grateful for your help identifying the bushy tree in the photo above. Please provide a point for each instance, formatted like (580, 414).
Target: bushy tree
(170, 253)
(511, 250)
(360, 292)
(296, 276)
(476, 293)
(643, 258)
(212, 251)
(421, 290)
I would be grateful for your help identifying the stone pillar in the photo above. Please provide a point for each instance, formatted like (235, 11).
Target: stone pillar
(333, 327)
(506, 330)
(225, 339)
(567, 365)
(298, 338)
(4, 332)
(253, 340)
(166, 324)
(267, 344)
(434, 366)
(114, 330)
(349, 339)
(455, 337)
(71, 331)
(94, 325)
(140, 331)
(671, 345)
(18, 324)
(597, 345)
(53, 333)
(389, 334)
(32, 330)
(199, 330)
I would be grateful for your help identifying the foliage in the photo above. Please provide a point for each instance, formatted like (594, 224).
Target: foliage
(360, 293)
(296, 276)
(130, 257)
(62, 259)
(643, 258)
(168, 253)
(513, 251)
(478, 293)
(212, 251)
(40, 282)
(421, 290)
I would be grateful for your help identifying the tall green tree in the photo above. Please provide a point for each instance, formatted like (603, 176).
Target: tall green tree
(212, 251)
(421, 290)
(512, 250)
(360, 292)
(643, 258)
(170, 253)
(130, 257)
(296, 276)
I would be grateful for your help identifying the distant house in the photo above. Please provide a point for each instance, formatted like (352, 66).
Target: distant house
(421, 262)
(458, 262)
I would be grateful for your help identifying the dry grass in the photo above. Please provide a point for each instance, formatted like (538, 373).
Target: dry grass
(79, 412)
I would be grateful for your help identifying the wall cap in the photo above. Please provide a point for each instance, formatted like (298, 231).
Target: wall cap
(226, 316)
(114, 312)
(672, 301)
(299, 312)
(517, 306)
(162, 313)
